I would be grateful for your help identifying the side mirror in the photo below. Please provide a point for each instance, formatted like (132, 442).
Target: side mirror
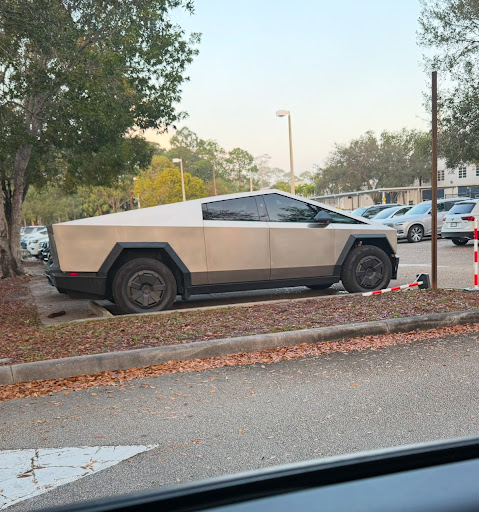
(323, 219)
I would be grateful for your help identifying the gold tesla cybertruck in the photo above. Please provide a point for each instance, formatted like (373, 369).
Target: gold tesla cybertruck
(141, 259)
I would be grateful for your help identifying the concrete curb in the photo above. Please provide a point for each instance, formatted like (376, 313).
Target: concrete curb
(98, 310)
(110, 361)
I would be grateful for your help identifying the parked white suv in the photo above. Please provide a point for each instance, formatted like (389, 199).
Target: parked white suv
(459, 222)
(33, 242)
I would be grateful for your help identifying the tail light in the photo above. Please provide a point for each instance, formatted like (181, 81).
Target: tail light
(444, 219)
(470, 217)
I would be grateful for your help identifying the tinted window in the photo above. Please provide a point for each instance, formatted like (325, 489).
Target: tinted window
(371, 212)
(385, 213)
(401, 211)
(448, 205)
(342, 219)
(441, 207)
(285, 209)
(359, 211)
(243, 208)
(462, 208)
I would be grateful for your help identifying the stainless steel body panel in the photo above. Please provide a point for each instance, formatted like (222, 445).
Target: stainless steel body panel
(300, 249)
(85, 248)
(237, 251)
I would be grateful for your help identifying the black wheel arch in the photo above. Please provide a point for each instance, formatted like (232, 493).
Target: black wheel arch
(379, 240)
(123, 252)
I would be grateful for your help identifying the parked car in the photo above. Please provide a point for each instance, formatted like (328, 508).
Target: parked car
(44, 252)
(416, 223)
(458, 224)
(389, 213)
(25, 238)
(33, 242)
(370, 211)
(142, 258)
(28, 230)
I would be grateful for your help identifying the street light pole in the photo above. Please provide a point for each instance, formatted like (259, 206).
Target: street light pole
(282, 113)
(214, 178)
(180, 161)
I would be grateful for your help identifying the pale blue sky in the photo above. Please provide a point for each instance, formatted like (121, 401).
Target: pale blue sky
(341, 68)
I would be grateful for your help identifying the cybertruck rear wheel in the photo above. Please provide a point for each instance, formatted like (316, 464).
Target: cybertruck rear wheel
(365, 269)
(144, 285)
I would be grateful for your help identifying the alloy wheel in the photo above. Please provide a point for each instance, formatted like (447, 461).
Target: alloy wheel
(146, 288)
(369, 271)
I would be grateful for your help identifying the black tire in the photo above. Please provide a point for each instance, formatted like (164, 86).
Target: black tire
(365, 269)
(460, 241)
(318, 286)
(415, 233)
(135, 282)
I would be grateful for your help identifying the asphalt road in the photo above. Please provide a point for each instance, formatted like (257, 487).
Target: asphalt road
(240, 418)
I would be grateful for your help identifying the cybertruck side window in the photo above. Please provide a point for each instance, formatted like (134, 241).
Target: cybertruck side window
(286, 209)
(241, 209)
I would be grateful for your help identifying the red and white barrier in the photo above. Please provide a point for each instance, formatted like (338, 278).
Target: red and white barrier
(394, 288)
(476, 265)
(475, 288)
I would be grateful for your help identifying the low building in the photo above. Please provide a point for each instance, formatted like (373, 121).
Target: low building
(462, 181)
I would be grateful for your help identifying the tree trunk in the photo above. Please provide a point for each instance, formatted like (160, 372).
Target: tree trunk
(11, 217)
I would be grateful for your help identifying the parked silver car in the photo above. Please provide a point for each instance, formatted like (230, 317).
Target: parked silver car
(416, 223)
(369, 212)
(386, 215)
(141, 259)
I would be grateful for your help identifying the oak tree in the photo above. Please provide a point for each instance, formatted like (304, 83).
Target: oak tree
(75, 77)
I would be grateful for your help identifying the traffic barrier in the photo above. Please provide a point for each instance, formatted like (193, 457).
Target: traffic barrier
(422, 282)
(475, 288)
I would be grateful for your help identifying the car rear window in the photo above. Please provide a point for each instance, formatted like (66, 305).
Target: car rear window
(462, 208)
(241, 209)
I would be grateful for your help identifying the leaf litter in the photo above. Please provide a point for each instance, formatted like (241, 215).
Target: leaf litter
(24, 339)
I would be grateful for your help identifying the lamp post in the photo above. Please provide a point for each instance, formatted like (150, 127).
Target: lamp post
(138, 198)
(180, 161)
(282, 113)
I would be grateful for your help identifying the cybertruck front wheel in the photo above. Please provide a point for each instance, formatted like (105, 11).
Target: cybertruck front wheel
(365, 269)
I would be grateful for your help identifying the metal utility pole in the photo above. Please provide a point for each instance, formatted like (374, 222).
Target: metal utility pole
(180, 161)
(434, 183)
(282, 113)
(291, 155)
(214, 178)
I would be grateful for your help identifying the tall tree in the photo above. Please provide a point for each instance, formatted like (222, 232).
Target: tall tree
(75, 77)
(449, 30)
(239, 165)
(392, 160)
(153, 188)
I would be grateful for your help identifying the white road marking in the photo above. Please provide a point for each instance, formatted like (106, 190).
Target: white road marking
(420, 265)
(30, 472)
